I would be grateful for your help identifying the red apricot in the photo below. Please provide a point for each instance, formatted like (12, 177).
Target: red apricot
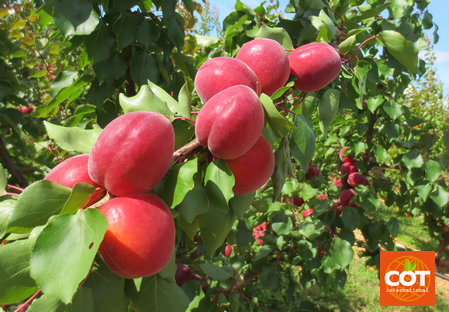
(313, 172)
(74, 170)
(133, 153)
(348, 168)
(274, 71)
(220, 73)
(339, 182)
(307, 212)
(228, 250)
(253, 169)
(315, 64)
(356, 178)
(298, 201)
(345, 158)
(321, 197)
(346, 196)
(25, 109)
(223, 124)
(140, 238)
(183, 274)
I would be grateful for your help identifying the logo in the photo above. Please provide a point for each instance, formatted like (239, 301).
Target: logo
(407, 278)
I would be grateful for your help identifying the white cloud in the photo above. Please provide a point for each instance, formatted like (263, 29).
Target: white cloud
(441, 56)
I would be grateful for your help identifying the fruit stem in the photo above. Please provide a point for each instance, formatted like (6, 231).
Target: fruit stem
(15, 187)
(374, 37)
(29, 300)
(341, 18)
(11, 194)
(183, 118)
(186, 150)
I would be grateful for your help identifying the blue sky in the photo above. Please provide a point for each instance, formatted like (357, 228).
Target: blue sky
(438, 8)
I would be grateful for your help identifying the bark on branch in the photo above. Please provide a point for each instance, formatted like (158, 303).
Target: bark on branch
(187, 150)
(9, 164)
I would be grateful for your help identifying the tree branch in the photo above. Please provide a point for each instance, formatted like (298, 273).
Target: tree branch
(9, 164)
(188, 149)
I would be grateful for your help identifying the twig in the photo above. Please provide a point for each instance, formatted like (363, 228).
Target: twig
(9, 164)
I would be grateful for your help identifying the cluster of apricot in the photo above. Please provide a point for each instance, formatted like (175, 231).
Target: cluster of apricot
(349, 176)
(131, 156)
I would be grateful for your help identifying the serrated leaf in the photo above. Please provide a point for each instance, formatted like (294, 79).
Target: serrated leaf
(179, 182)
(380, 153)
(100, 45)
(69, 241)
(147, 33)
(73, 138)
(156, 294)
(278, 123)
(176, 108)
(282, 224)
(393, 109)
(303, 142)
(113, 67)
(125, 29)
(6, 208)
(144, 100)
(215, 272)
(402, 49)
(16, 283)
(75, 17)
(218, 184)
(48, 303)
(195, 202)
(206, 41)
(279, 92)
(347, 44)
(374, 102)
(176, 31)
(144, 67)
(433, 170)
(36, 204)
(328, 109)
(341, 252)
(413, 160)
(80, 193)
(440, 196)
(276, 33)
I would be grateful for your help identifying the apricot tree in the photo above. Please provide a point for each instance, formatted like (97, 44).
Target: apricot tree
(216, 191)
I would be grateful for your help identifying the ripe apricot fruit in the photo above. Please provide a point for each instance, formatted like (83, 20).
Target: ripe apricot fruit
(228, 250)
(74, 170)
(315, 64)
(298, 201)
(254, 168)
(274, 71)
(356, 178)
(223, 124)
(220, 73)
(346, 196)
(133, 153)
(140, 238)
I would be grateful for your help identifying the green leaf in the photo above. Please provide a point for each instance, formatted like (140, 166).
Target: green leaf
(144, 100)
(374, 102)
(424, 191)
(36, 204)
(308, 105)
(176, 108)
(125, 29)
(433, 170)
(147, 33)
(393, 226)
(75, 17)
(206, 41)
(351, 218)
(112, 68)
(101, 44)
(143, 68)
(282, 161)
(16, 282)
(348, 44)
(407, 265)
(315, 4)
(176, 31)
(380, 152)
(179, 182)
(269, 277)
(440, 196)
(282, 224)
(157, 294)
(48, 303)
(239, 204)
(279, 92)
(69, 241)
(73, 138)
(218, 184)
(194, 203)
(278, 123)
(108, 290)
(323, 20)
(446, 139)
(341, 252)
(303, 142)
(393, 109)
(6, 208)
(3, 180)
(328, 109)
(215, 272)
(80, 193)
(413, 159)
(391, 130)
(276, 33)
(402, 49)
(215, 226)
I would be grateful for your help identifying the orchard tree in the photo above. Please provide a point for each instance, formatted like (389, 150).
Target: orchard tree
(212, 172)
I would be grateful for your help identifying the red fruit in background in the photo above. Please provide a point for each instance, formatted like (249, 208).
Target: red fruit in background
(253, 169)
(298, 201)
(347, 158)
(183, 274)
(256, 236)
(220, 73)
(356, 178)
(336, 204)
(315, 64)
(313, 172)
(8, 132)
(223, 124)
(307, 212)
(140, 238)
(197, 277)
(228, 250)
(74, 170)
(346, 196)
(339, 182)
(25, 109)
(321, 197)
(132, 153)
(348, 168)
(274, 71)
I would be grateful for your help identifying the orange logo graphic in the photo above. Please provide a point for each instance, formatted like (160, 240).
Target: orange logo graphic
(407, 278)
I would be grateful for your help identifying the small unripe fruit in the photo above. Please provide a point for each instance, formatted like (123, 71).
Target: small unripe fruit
(197, 277)
(228, 250)
(25, 109)
(183, 274)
